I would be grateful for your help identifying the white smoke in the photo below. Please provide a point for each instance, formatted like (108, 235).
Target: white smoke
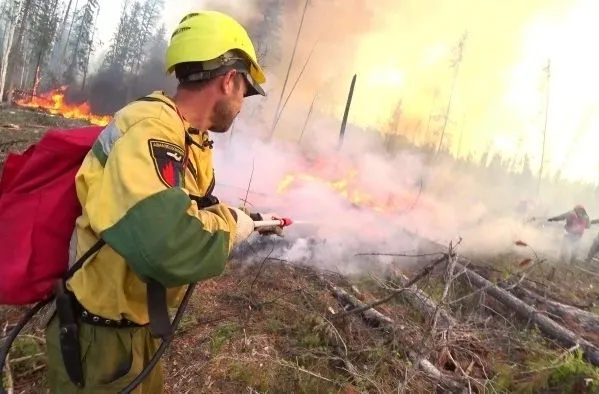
(439, 199)
(437, 202)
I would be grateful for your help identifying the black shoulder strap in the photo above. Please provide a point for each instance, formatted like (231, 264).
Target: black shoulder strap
(79, 263)
(150, 98)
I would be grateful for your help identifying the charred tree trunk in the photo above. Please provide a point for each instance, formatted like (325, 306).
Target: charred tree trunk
(38, 64)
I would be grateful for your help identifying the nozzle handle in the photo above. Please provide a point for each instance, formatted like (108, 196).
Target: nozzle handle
(282, 222)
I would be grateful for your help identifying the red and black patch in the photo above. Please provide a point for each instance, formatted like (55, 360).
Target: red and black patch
(168, 162)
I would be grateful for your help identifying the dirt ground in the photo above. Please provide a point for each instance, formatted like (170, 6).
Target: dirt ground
(274, 327)
(20, 128)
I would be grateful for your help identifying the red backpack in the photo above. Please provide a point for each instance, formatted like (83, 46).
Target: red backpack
(38, 209)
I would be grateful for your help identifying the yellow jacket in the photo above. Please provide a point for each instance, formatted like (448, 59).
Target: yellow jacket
(134, 194)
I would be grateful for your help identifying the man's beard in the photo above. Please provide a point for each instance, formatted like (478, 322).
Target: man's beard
(223, 117)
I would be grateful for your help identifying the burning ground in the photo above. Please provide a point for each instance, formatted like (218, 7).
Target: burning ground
(291, 314)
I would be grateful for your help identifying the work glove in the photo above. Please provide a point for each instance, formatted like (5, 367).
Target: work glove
(245, 225)
(274, 230)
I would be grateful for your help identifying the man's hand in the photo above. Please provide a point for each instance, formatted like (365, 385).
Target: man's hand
(274, 230)
(245, 225)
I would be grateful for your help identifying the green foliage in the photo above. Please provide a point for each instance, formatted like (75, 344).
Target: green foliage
(573, 370)
(28, 351)
(222, 335)
(568, 374)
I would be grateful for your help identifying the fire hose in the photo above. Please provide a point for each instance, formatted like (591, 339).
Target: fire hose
(4, 349)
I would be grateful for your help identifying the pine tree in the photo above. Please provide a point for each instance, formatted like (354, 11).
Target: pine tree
(10, 14)
(44, 19)
(80, 45)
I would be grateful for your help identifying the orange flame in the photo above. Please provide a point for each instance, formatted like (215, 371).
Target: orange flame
(53, 102)
(349, 188)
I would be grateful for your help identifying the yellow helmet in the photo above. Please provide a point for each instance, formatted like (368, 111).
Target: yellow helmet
(207, 36)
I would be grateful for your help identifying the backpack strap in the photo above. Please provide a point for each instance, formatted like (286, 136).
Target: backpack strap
(79, 263)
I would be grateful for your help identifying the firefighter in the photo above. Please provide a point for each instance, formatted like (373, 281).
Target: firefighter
(577, 221)
(145, 190)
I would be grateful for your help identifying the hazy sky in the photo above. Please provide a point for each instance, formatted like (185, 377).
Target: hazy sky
(401, 50)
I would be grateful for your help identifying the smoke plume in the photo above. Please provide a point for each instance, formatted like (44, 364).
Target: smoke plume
(413, 86)
(386, 202)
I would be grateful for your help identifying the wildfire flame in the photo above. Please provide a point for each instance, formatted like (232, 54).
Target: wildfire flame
(348, 187)
(53, 102)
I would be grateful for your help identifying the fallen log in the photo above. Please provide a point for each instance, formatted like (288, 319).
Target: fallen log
(548, 326)
(421, 301)
(586, 320)
(373, 316)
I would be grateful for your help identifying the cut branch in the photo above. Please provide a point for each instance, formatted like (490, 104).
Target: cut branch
(587, 320)
(427, 270)
(418, 299)
(376, 318)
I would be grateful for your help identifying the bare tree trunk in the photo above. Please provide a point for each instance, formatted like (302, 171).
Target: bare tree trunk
(63, 23)
(7, 42)
(22, 77)
(64, 50)
(19, 41)
(37, 71)
(458, 62)
(91, 42)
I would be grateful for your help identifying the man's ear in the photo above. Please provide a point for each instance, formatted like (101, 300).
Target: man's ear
(228, 82)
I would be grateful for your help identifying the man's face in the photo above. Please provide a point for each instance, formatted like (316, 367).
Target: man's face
(229, 105)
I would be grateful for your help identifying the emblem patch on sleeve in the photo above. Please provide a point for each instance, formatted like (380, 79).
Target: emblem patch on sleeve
(168, 162)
